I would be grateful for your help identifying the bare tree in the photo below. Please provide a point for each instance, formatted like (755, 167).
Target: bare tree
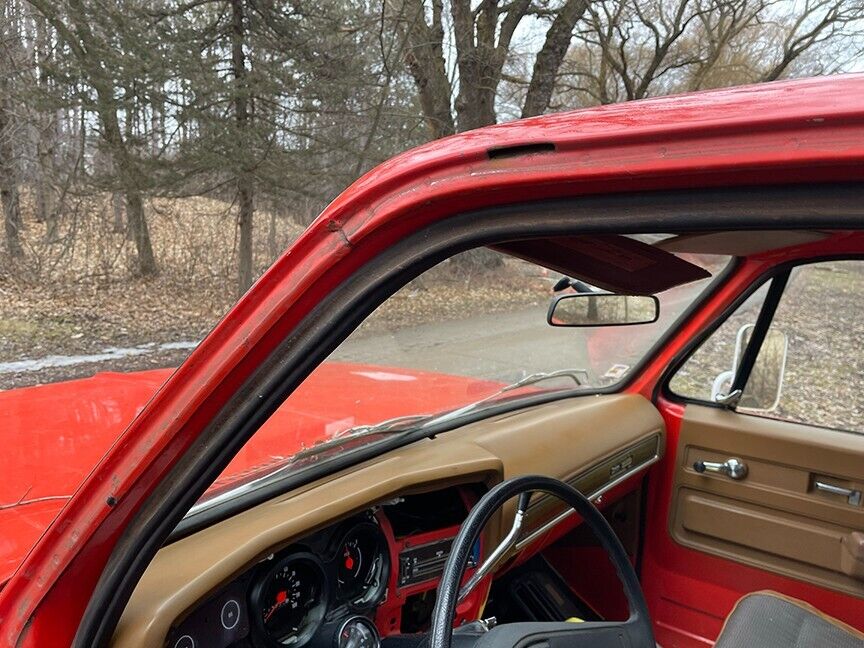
(9, 196)
(9, 131)
(814, 24)
(482, 38)
(44, 129)
(631, 49)
(603, 51)
(277, 106)
(90, 45)
(245, 189)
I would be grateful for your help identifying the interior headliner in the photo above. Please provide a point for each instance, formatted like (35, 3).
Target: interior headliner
(739, 243)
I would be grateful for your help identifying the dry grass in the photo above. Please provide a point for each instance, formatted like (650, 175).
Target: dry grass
(194, 240)
(79, 294)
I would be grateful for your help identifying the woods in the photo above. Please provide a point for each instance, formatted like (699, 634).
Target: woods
(190, 141)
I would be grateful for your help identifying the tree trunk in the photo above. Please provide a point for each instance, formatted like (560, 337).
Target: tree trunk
(128, 176)
(245, 273)
(46, 211)
(86, 48)
(245, 182)
(44, 203)
(9, 178)
(137, 222)
(118, 217)
(11, 218)
(479, 65)
(425, 59)
(475, 103)
(550, 57)
(272, 247)
(45, 136)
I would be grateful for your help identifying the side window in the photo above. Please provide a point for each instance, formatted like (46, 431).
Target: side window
(708, 373)
(810, 369)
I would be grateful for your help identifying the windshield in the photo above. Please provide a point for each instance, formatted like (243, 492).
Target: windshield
(460, 338)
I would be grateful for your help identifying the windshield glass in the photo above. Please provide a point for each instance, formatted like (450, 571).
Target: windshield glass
(460, 338)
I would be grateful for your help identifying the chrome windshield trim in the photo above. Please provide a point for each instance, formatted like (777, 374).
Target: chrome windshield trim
(228, 495)
(561, 517)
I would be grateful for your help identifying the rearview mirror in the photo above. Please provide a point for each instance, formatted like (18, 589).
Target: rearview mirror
(602, 309)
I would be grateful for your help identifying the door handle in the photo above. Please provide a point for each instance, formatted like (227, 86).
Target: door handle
(853, 497)
(732, 468)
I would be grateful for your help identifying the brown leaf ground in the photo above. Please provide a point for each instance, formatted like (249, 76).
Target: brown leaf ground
(77, 296)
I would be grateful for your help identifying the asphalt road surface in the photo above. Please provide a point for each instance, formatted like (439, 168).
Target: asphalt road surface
(502, 346)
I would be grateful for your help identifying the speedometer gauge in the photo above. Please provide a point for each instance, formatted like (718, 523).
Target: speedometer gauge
(291, 600)
(362, 564)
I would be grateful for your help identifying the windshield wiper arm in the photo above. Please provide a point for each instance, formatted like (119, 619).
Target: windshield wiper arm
(396, 424)
(413, 421)
(392, 425)
(577, 375)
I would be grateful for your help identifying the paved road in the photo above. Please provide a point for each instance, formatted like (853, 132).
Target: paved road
(504, 347)
(508, 346)
(501, 346)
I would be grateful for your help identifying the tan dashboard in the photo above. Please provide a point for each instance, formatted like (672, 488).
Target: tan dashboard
(594, 442)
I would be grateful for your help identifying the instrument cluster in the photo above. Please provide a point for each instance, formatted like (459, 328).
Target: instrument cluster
(318, 594)
(293, 595)
(340, 586)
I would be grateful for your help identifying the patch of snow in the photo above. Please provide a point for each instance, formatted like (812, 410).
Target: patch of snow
(110, 353)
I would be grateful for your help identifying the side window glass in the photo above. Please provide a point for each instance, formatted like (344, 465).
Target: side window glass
(822, 369)
(810, 369)
(708, 373)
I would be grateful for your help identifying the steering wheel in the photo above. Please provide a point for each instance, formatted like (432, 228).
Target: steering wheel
(635, 632)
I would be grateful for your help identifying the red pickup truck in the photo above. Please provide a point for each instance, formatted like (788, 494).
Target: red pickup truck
(690, 476)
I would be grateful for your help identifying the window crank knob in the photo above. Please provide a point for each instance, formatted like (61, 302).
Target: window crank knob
(732, 468)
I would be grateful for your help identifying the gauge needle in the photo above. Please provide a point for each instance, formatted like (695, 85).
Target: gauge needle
(271, 612)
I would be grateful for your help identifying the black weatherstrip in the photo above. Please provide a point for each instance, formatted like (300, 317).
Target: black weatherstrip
(760, 330)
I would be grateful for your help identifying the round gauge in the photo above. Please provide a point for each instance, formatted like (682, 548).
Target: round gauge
(358, 632)
(362, 564)
(291, 600)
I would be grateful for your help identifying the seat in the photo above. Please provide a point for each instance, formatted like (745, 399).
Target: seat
(771, 620)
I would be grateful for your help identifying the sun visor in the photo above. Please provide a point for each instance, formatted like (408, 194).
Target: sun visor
(611, 262)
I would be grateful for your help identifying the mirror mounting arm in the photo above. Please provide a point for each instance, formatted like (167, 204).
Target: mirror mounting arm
(760, 330)
(730, 400)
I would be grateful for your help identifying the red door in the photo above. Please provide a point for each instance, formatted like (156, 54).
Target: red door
(794, 523)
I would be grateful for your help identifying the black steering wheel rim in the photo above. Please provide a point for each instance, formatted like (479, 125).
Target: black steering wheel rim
(443, 614)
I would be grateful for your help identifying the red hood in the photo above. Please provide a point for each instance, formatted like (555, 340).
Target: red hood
(53, 435)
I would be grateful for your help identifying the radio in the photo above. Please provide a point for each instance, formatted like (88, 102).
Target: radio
(419, 564)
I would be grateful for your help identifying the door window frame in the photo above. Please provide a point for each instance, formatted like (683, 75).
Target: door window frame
(764, 319)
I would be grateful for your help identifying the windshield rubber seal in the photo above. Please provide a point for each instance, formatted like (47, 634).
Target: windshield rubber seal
(315, 337)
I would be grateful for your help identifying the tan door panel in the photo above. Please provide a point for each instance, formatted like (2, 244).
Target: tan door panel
(756, 527)
(775, 518)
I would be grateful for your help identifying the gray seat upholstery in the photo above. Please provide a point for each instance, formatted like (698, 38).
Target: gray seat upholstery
(770, 620)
